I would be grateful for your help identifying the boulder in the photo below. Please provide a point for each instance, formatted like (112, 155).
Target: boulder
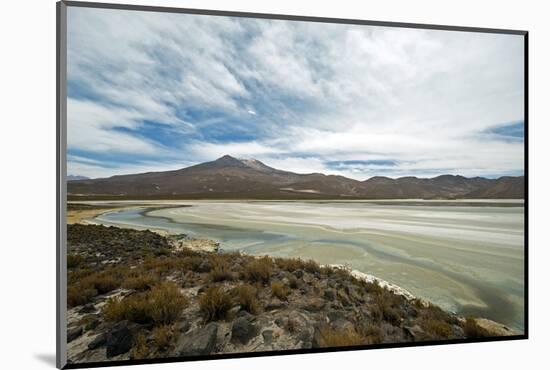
(329, 294)
(184, 326)
(243, 330)
(268, 336)
(119, 339)
(275, 304)
(201, 341)
(74, 333)
(306, 338)
(88, 308)
(98, 341)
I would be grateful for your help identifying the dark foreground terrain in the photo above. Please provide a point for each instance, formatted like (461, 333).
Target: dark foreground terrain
(137, 295)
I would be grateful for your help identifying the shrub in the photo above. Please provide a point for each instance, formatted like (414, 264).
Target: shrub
(77, 295)
(372, 334)
(388, 308)
(331, 337)
(279, 290)
(134, 308)
(289, 264)
(373, 288)
(341, 272)
(246, 297)
(140, 350)
(144, 281)
(102, 282)
(259, 270)
(433, 312)
(214, 304)
(167, 303)
(162, 252)
(312, 267)
(74, 260)
(160, 265)
(220, 271)
(161, 305)
(192, 263)
(473, 330)
(436, 329)
(162, 337)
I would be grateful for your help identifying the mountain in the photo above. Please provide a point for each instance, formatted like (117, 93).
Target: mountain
(232, 178)
(76, 177)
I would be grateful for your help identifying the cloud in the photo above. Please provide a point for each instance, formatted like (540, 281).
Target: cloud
(314, 97)
(91, 128)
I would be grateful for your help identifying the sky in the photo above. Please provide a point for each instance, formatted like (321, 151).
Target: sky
(160, 91)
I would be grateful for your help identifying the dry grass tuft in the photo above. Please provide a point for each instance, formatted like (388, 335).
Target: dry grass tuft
(331, 337)
(214, 304)
(161, 305)
(259, 270)
(279, 290)
(162, 337)
(247, 297)
(140, 350)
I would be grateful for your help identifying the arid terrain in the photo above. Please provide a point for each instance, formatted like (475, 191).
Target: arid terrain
(136, 294)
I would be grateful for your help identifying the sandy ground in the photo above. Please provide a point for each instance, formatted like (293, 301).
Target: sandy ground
(79, 216)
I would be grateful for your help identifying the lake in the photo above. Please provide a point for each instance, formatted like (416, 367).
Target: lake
(466, 256)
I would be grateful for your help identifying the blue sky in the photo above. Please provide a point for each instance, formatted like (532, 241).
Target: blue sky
(158, 91)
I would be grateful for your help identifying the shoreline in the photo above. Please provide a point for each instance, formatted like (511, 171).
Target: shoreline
(369, 278)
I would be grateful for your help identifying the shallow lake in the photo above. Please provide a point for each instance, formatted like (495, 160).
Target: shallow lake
(466, 256)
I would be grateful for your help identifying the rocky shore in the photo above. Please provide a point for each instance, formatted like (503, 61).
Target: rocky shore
(136, 294)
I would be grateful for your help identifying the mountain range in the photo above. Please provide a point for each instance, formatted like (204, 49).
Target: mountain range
(232, 178)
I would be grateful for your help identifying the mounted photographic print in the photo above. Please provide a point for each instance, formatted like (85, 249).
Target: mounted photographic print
(237, 184)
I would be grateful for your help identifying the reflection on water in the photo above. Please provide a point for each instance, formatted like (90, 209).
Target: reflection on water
(464, 256)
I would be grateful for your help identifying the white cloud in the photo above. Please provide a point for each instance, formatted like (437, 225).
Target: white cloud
(315, 92)
(90, 128)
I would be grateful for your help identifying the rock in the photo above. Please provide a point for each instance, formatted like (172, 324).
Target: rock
(329, 294)
(247, 315)
(92, 324)
(204, 266)
(281, 321)
(74, 333)
(119, 339)
(268, 336)
(344, 299)
(275, 304)
(184, 326)
(88, 308)
(199, 342)
(243, 330)
(98, 341)
(306, 338)
(413, 332)
(299, 273)
(343, 325)
(495, 328)
(318, 341)
(314, 305)
(335, 315)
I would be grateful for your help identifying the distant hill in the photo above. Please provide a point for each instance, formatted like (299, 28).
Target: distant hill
(76, 177)
(232, 178)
